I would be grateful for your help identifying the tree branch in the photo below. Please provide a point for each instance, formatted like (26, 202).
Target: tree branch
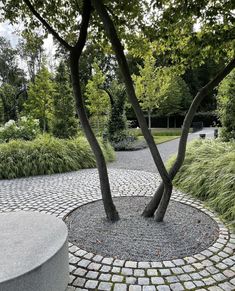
(47, 25)
(191, 112)
(153, 204)
(84, 26)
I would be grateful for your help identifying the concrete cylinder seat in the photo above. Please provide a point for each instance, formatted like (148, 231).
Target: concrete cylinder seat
(33, 252)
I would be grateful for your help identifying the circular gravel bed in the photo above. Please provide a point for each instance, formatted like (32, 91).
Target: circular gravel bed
(184, 232)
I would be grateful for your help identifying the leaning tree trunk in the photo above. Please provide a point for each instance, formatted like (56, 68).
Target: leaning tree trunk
(109, 206)
(75, 53)
(118, 49)
(156, 199)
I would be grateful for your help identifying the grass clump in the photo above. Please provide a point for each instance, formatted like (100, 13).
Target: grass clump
(160, 131)
(47, 155)
(209, 174)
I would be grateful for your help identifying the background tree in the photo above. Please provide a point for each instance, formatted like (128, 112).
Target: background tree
(2, 119)
(161, 89)
(9, 70)
(9, 101)
(64, 123)
(226, 107)
(174, 94)
(97, 101)
(117, 124)
(40, 99)
(12, 81)
(31, 50)
(147, 86)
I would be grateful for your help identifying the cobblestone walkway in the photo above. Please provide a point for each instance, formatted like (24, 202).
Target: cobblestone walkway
(213, 269)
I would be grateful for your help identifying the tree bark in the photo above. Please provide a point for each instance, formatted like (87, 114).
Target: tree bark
(109, 206)
(156, 202)
(149, 119)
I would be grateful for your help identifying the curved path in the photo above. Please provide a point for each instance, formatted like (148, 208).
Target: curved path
(142, 159)
(213, 269)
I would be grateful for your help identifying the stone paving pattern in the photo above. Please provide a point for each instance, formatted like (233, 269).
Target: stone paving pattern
(213, 269)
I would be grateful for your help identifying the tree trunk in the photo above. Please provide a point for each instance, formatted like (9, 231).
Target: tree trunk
(168, 121)
(109, 207)
(156, 200)
(149, 119)
(174, 122)
(161, 210)
(118, 49)
(75, 53)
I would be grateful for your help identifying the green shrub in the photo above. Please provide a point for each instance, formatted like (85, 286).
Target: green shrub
(47, 155)
(209, 174)
(25, 128)
(226, 107)
(123, 140)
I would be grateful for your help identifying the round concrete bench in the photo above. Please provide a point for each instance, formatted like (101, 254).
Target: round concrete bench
(33, 252)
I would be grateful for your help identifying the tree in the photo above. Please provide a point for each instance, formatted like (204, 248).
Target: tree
(168, 18)
(12, 80)
(97, 100)
(117, 125)
(40, 98)
(160, 200)
(31, 49)
(9, 71)
(147, 86)
(174, 94)
(160, 89)
(64, 123)
(8, 97)
(226, 107)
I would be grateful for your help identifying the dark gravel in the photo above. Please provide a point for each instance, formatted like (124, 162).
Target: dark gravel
(184, 232)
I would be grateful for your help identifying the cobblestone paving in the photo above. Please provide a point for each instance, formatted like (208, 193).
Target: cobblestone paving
(213, 269)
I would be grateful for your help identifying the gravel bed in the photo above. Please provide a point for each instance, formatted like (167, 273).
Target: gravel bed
(184, 232)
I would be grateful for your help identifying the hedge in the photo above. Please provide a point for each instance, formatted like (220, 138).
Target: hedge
(47, 155)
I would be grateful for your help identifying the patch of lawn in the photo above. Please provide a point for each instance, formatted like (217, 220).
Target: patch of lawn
(161, 139)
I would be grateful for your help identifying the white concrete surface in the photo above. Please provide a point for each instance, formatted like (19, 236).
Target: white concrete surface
(33, 252)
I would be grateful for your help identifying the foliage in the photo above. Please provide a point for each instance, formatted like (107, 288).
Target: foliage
(8, 96)
(208, 173)
(226, 107)
(148, 85)
(161, 88)
(117, 124)
(40, 99)
(25, 129)
(9, 70)
(64, 123)
(198, 77)
(47, 155)
(30, 48)
(97, 101)
(1, 110)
